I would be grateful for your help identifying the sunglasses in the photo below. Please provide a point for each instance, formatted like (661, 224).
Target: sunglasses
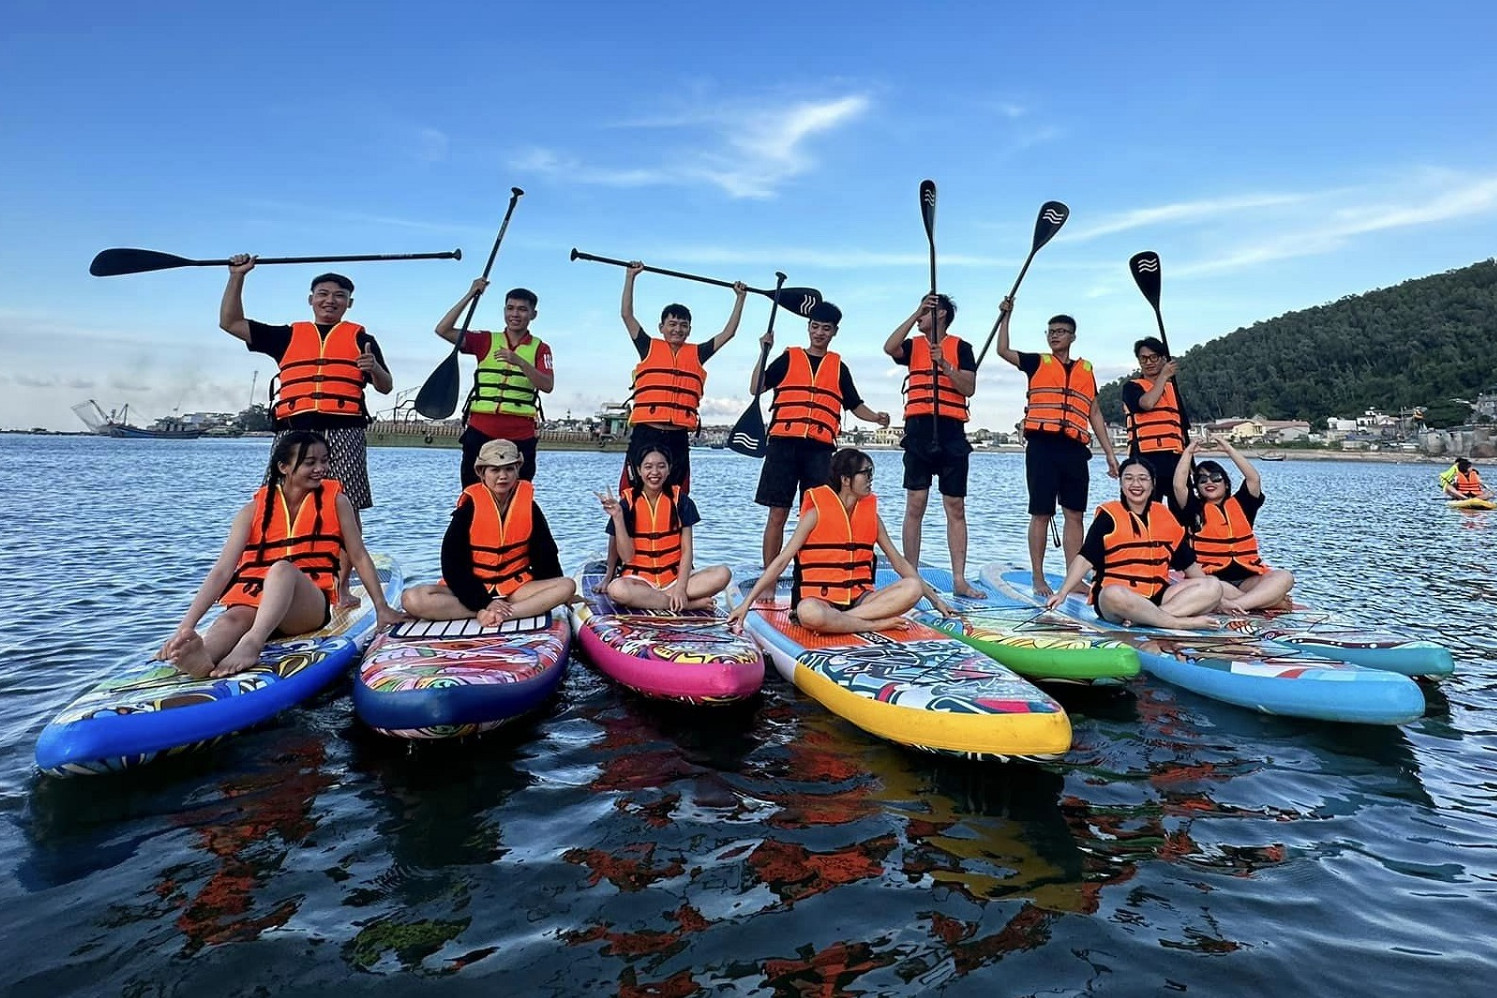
(1210, 477)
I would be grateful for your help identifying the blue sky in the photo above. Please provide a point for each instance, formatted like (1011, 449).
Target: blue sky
(1277, 156)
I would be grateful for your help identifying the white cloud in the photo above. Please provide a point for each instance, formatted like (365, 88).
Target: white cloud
(1184, 211)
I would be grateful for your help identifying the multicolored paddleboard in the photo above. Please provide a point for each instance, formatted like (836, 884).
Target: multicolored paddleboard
(453, 678)
(147, 709)
(1035, 644)
(1241, 667)
(917, 687)
(689, 656)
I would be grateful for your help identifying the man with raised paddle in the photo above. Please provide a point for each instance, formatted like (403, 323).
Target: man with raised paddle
(325, 365)
(668, 380)
(812, 387)
(1158, 428)
(1060, 418)
(514, 367)
(943, 375)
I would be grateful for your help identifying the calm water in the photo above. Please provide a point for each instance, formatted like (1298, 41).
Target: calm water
(618, 846)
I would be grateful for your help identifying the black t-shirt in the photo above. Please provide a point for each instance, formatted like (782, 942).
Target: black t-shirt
(685, 509)
(1095, 551)
(642, 344)
(273, 341)
(457, 556)
(780, 366)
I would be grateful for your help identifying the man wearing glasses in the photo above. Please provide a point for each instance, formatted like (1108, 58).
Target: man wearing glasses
(1158, 428)
(325, 365)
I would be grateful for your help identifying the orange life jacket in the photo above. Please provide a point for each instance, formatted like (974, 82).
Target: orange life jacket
(668, 386)
(1137, 554)
(321, 374)
(656, 534)
(807, 405)
(500, 542)
(1060, 398)
(1468, 483)
(1158, 429)
(1225, 536)
(310, 539)
(836, 561)
(925, 387)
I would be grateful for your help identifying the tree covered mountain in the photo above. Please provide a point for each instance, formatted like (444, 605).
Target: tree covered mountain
(1415, 344)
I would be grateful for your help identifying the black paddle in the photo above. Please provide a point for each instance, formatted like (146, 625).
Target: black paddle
(113, 262)
(747, 436)
(928, 216)
(798, 300)
(437, 398)
(1146, 274)
(1052, 216)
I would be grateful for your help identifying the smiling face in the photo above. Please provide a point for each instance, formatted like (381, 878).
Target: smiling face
(674, 330)
(329, 302)
(1060, 336)
(308, 472)
(1211, 484)
(518, 314)
(654, 469)
(1137, 487)
(821, 334)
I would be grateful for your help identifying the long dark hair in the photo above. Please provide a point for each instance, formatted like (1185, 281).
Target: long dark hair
(290, 449)
(846, 463)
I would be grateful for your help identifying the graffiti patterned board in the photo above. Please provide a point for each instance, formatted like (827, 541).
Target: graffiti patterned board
(453, 678)
(1034, 644)
(917, 687)
(147, 709)
(689, 656)
(1239, 666)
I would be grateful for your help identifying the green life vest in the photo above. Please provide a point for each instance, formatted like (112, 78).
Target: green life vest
(502, 387)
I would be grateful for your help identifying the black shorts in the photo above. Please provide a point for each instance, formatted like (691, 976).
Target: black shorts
(946, 459)
(1055, 468)
(792, 464)
(677, 442)
(1232, 573)
(473, 442)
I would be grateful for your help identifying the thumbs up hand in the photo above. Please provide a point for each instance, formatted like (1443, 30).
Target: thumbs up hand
(366, 360)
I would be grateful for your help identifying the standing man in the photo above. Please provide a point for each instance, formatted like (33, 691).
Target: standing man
(943, 375)
(811, 389)
(1060, 418)
(668, 381)
(325, 365)
(513, 369)
(1158, 428)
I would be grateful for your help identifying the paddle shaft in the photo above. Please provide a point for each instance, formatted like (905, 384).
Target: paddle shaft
(1053, 215)
(774, 308)
(514, 197)
(1011, 292)
(123, 260)
(579, 255)
(928, 216)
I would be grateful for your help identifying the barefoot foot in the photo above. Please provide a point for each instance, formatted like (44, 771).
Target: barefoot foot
(244, 655)
(888, 624)
(1041, 587)
(191, 657)
(347, 600)
(966, 590)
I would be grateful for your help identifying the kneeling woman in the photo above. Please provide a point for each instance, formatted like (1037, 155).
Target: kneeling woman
(1221, 528)
(499, 560)
(278, 572)
(652, 528)
(1132, 544)
(832, 546)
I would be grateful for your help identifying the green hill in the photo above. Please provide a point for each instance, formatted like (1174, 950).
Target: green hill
(1415, 344)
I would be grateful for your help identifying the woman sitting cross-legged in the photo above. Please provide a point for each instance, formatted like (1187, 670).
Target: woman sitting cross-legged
(499, 560)
(278, 571)
(832, 590)
(652, 527)
(1132, 544)
(1221, 527)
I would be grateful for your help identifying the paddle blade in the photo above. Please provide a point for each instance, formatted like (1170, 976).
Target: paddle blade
(1053, 215)
(113, 262)
(438, 397)
(797, 300)
(1145, 269)
(928, 207)
(748, 437)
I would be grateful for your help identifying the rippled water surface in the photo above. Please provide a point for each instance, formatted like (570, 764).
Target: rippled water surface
(617, 846)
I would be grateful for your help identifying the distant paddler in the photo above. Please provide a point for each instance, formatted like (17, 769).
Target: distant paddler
(832, 548)
(1461, 481)
(1220, 525)
(1060, 418)
(1132, 546)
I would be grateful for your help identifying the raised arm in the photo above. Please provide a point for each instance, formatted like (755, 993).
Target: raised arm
(1151, 397)
(231, 309)
(740, 290)
(1181, 483)
(1250, 476)
(756, 378)
(893, 345)
(626, 301)
(447, 325)
(1005, 312)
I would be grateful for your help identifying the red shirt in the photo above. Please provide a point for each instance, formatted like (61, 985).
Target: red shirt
(496, 425)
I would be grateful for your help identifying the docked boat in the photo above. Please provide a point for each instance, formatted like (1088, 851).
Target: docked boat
(116, 423)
